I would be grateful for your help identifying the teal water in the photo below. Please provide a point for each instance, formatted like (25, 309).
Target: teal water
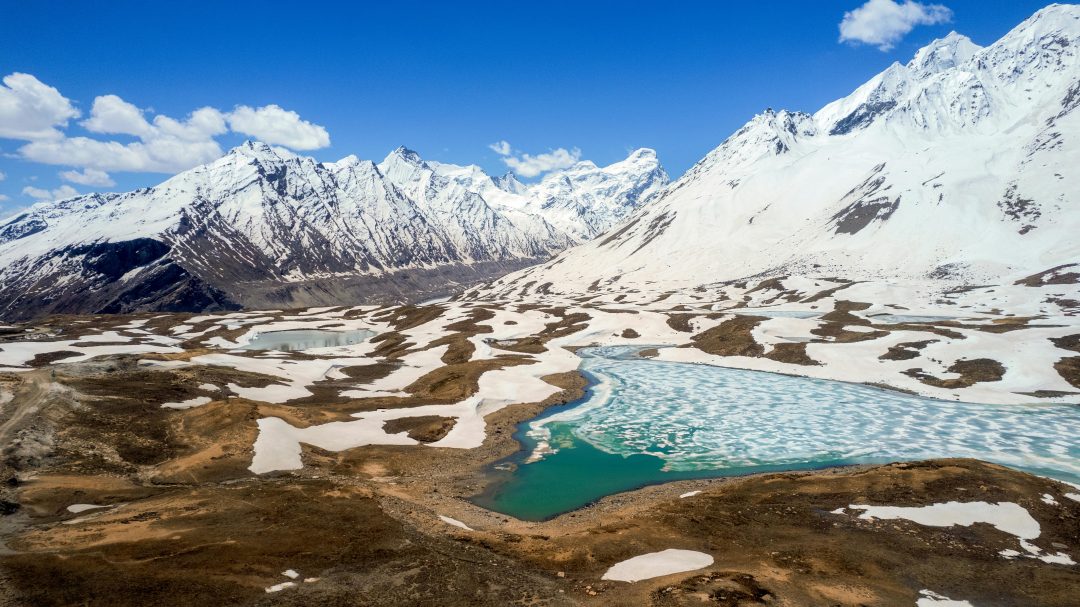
(646, 421)
(306, 339)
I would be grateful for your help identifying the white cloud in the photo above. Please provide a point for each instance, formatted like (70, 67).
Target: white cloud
(3, 176)
(31, 109)
(502, 148)
(112, 115)
(88, 177)
(3, 197)
(883, 23)
(275, 125)
(64, 191)
(162, 155)
(528, 165)
(166, 145)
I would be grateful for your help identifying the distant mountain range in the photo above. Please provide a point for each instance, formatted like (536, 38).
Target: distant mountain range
(961, 166)
(261, 227)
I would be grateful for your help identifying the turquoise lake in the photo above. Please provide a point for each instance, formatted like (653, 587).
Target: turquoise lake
(644, 421)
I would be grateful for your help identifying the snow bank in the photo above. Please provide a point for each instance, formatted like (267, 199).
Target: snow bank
(657, 564)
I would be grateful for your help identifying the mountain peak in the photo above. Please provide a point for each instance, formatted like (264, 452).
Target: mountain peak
(406, 154)
(642, 154)
(256, 150)
(942, 54)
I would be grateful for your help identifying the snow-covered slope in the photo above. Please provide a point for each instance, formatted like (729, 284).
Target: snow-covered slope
(960, 165)
(261, 227)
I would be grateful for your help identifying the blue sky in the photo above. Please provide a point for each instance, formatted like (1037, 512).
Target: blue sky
(446, 79)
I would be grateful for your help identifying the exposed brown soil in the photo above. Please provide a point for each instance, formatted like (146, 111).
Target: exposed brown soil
(392, 345)
(834, 326)
(733, 337)
(906, 350)
(1069, 369)
(1068, 342)
(1053, 276)
(370, 373)
(630, 334)
(793, 353)
(681, 322)
(524, 345)
(424, 428)
(971, 372)
(47, 358)
(820, 295)
(403, 318)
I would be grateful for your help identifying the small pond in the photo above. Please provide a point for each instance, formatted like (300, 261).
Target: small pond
(646, 421)
(306, 339)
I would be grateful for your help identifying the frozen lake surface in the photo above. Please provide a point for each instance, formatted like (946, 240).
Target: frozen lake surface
(306, 339)
(646, 421)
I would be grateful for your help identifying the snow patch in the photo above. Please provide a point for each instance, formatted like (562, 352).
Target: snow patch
(657, 564)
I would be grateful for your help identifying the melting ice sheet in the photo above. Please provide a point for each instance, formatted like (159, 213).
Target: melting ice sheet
(647, 421)
(306, 339)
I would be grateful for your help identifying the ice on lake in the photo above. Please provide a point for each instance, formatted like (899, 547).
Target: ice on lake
(306, 339)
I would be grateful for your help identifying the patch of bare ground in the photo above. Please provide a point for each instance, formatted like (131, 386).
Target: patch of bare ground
(1053, 276)
(403, 318)
(906, 350)
(1049, 393)
(630, 334)
(453, 383)
(791, 353)
(568, 324)
(1069, 370)
(523, 345)
(971, 372)
(459, 348)
(365, 374)
(825, 293)
(1068, 342)
(45, 359)
(1002, 325)
(682, 322)
(833, 328)
(775, 284)
(733, 337)
(425, 428)
(392, 345)
(649, 353)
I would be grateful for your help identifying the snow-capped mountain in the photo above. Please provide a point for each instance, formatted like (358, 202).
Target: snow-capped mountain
(960, 165)
(261, 227)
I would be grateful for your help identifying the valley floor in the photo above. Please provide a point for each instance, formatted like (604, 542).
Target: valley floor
(341, 475)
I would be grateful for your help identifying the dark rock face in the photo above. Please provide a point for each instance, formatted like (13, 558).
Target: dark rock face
(127, 276)
(169, 288)
(869, 202)
(21, 227)
(115, 259)
(862, 116)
